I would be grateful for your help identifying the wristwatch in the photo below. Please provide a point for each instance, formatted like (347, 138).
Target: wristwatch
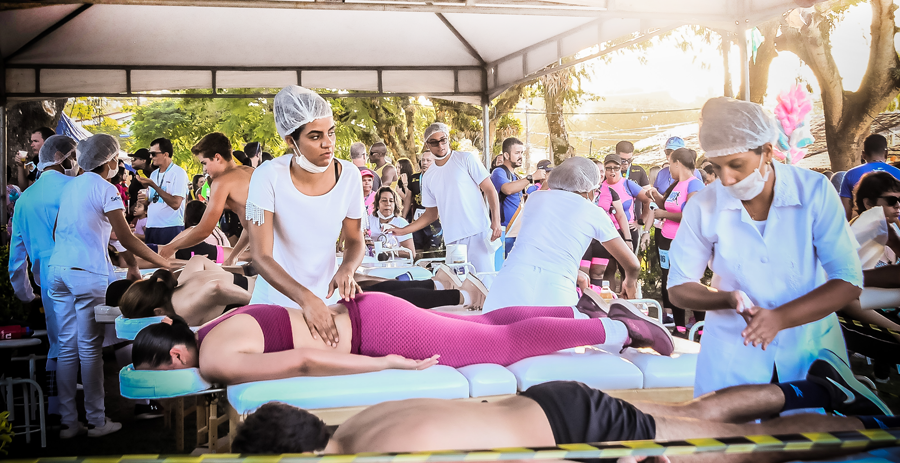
(530, 178)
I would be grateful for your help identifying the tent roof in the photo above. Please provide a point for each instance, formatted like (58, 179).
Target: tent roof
(460, 49)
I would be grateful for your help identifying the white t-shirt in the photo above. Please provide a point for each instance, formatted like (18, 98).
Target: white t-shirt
(173, 181)
(557, 228)
(454, 189)
(376, 229)
(306, 227)
(82, 229)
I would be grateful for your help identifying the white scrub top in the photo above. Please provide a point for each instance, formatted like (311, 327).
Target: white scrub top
(806, 242)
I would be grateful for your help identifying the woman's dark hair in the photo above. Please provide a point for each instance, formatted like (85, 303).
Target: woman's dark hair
(153, 343)
(240, 156)
(140, 300)
(195, 180)
(684, 156)
(193, 212)
(277, 428)
(117, 179)
(398, 207)
(404, 166)
(710, 169)
(252, 149)
(115, 290)
(872, 186)
(494, 162)
(265, 156)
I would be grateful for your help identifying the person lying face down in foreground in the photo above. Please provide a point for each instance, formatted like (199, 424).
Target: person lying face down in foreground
(565, 412)
(379, 331)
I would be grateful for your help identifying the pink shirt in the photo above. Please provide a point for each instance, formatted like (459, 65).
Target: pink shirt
(675, 203)
(604, 201)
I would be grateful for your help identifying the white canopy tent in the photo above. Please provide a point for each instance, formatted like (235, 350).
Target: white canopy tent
(465, 50)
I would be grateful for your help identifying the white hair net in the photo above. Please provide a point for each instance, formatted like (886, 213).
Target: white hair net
(96, 151)
(729, 126)
(576, 174)
(55, 150)
(437, 127)
(296, 106)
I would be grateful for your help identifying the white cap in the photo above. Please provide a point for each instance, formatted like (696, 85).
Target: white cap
(296, 106)
(56, 149)
(729, 126)
(96, 151)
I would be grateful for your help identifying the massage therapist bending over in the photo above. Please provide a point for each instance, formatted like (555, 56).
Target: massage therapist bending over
(378, 332)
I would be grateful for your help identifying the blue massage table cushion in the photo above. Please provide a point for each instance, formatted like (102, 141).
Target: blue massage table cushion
(160, 384)
(437, 382)
(128, 328)
(595, 368)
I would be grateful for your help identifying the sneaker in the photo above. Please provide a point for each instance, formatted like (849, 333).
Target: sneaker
(108, 427)
(148, 411)
(476, 290)
(643, 331)
(848, 395)
(448, 278)
(592, 305)
(72, 430)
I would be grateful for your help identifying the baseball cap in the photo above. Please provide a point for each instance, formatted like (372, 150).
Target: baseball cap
(544, 165)
(366, 173)
(673, 143)
(613, 158)
(142, 153)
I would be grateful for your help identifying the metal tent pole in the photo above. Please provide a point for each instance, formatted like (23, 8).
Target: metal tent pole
(745, 61)
(4, 198)
(485, 108)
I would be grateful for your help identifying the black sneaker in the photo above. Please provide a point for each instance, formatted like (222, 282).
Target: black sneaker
(849, 397)
(148, 411)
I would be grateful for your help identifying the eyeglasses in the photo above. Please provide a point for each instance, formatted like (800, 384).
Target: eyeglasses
(891, 200)
(436, 143)
(626, 161)
(613, 168)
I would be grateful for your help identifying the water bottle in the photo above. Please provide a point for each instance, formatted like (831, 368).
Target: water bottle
(606, 293)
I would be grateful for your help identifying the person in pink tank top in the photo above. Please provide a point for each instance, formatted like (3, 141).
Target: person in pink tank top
(596, 259)
(671, 203)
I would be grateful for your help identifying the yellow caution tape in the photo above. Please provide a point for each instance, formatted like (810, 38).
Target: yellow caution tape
(865, 439)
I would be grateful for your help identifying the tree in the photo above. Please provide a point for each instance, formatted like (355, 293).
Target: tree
(26, 116)
(848, 115)
(559, 89)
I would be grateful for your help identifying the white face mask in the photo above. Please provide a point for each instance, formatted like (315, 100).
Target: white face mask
(751, 186)
(384, 217)
(112, 172)
(73, 171)
(306, 164)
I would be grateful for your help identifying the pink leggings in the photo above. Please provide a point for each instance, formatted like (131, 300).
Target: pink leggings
(383, 324)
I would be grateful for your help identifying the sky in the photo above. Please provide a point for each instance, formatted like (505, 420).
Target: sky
(699, 73)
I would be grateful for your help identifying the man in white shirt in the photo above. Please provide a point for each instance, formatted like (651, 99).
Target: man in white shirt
(168, 190)
(450, 190)
(32, 237)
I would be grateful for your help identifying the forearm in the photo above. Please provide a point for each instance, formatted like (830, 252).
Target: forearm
(239, 247)
(818, 303)
(139, 249)
(192, 237)
(429, 216)
(354, 251)
(172, 201)
(647, 216)
(696, 296)
(514, 186)
(882, 277)
(21, 177)
(18, 270)
(129, 259)
(494, 202)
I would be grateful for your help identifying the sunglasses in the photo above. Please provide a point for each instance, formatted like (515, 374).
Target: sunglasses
(436, 143)
(613, 169)
(891, 200)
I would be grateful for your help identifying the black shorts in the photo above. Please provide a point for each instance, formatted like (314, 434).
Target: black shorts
(596, 251)
(579, 414)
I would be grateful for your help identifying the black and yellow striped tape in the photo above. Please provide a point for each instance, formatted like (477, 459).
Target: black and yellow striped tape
(855, 440)
(870, 326)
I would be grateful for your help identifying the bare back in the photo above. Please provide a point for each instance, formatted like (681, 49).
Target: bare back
(434, 424)
(237, 181)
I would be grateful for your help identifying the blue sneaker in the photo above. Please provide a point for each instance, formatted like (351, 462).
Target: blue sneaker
(849, 397)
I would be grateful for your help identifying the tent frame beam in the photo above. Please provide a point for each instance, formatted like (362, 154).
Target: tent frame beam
(48, 31)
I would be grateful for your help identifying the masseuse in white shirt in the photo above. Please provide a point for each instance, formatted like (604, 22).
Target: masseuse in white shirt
(557, 227)
(89, 211)
(297, 207)
(771, 232)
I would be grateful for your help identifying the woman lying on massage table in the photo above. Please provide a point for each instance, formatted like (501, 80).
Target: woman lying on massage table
(200, 293)
(204, 291)
(378, 332)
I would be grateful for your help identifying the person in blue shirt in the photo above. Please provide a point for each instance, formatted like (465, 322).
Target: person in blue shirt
(664, 177)
(508, 185)
(873, 157)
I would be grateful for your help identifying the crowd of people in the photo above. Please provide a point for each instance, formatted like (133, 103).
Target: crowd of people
(776, 238)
